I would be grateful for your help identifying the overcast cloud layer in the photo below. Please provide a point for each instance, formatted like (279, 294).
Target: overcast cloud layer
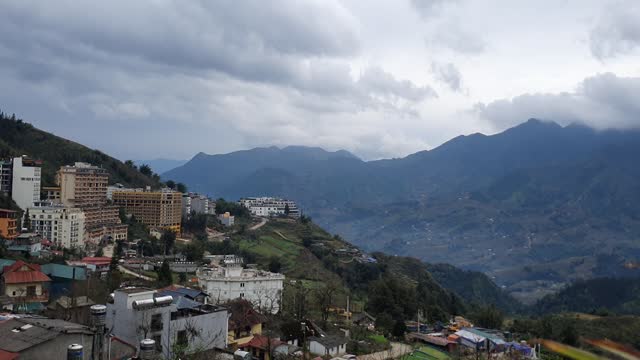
(162, 78)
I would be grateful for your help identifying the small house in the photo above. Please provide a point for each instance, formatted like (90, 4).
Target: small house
(329, 345)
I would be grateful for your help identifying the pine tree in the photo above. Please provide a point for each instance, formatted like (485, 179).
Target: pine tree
(26, 222)
(165, 277)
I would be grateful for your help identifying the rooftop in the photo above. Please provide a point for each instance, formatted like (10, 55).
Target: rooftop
(329, 341)
(21, 334)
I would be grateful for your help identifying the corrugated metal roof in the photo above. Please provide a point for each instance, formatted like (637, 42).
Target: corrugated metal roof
(13, 275)
(16, 340)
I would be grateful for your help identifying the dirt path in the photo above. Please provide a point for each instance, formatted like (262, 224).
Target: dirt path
(259, 225)
(133, 273)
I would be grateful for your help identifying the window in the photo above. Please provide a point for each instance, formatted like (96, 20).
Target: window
(182, 338)
(156, 322)
(31, 291)
(241, 284)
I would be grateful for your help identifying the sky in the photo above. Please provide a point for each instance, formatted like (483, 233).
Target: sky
(168, 79)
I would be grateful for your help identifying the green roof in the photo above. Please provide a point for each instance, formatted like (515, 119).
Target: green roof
(64, 271)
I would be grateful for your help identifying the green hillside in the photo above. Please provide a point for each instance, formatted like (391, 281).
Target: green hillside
(398, 286)
(595, 296)
(20, 138)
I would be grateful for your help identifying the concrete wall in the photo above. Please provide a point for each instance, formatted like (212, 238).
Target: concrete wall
(57, 347)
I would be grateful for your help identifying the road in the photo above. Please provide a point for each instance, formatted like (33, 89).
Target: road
(259, 225)
(127, 271)
(397, 350)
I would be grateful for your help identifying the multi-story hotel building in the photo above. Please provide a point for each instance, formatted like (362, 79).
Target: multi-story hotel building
(161, 209)
(270, 206)
(63, 226)
(83, 185)
(8, 225)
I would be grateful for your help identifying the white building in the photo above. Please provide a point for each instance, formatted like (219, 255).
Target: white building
(270, 206)
(186, 205)
(262, 288)
(61, 225)
(200, 204)
(25, 184)
(328, 345)
(134, 314)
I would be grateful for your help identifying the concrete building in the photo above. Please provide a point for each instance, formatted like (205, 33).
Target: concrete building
(6, 176)
(262, 288)
(227, 219)
(41, 338)
(8, 224)
(25, 181)
(134, 314)
(82, 185)
(160, 209)
(186, 205)
(63, 226)
(52, 194)
(103, 223)
(199, 204)
(270, 206)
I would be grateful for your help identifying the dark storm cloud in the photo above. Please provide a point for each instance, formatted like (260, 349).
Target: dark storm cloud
(617, 32)
(244, 73)
(601, 101)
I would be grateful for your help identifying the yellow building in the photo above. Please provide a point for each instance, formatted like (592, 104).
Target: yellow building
(244, 323)
(160, 209)
(8, 225)
(83, 185)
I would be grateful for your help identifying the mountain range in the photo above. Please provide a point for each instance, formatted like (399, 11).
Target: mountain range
(534, 206)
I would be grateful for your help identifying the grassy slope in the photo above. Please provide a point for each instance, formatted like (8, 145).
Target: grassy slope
(20, 138)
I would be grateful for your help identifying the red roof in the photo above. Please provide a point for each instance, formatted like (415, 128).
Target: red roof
(14, 274)
(5, 355)
(260, 342)
(96, 260)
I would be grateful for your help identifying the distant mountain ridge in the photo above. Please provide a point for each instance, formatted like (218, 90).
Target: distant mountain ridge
(508, 204)
(160, 166)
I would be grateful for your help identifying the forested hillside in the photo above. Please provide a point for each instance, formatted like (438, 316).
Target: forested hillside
(20, 138)
(595, 296)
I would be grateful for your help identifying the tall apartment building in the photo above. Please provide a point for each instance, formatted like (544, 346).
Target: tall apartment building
(8, 225)
(63, 226)
(83, 185)
(25, 181)
(161, 209)
(6, 176)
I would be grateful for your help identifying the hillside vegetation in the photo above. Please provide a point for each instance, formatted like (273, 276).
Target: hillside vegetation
(595, 296)
(398, 285)
(20, 138)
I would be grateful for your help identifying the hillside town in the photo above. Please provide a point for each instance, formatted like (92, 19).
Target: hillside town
(95, 270)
